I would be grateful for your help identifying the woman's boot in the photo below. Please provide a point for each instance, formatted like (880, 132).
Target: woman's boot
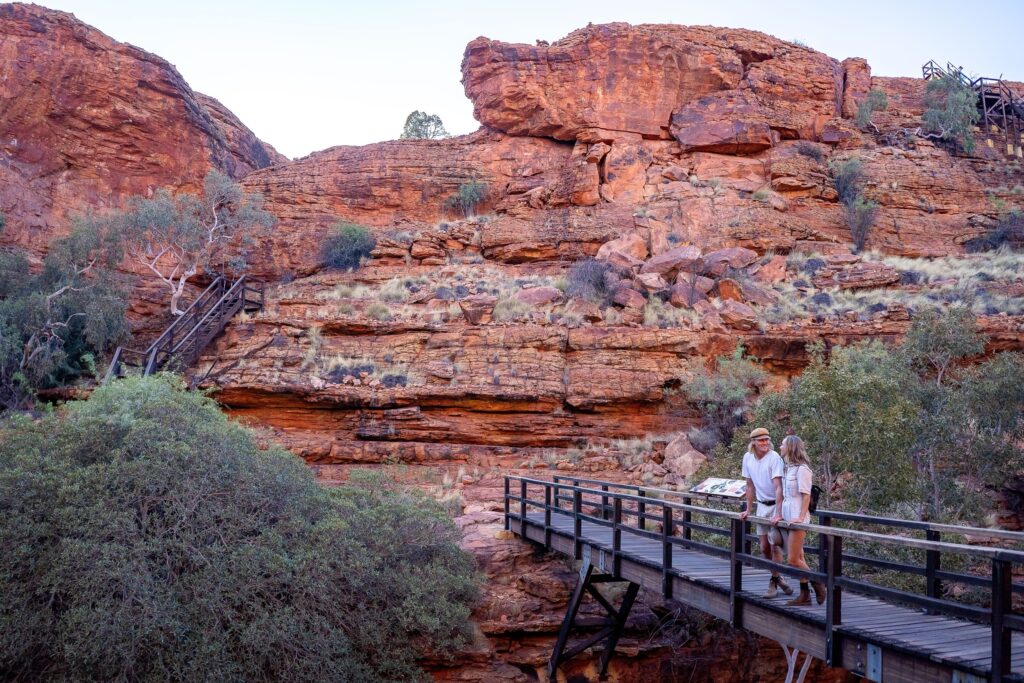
(819, 591)
(805, 596)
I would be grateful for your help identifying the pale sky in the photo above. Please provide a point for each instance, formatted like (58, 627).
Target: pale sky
(305, 75)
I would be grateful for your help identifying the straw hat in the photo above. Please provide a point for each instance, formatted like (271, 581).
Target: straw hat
(758, 433)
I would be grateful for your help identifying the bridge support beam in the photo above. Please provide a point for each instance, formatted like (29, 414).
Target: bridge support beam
(611, 629)
(791, 657)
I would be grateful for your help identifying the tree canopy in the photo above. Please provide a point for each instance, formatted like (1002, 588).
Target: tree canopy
(176, 236)
(147, 537)
(420, 125)
(55, 323)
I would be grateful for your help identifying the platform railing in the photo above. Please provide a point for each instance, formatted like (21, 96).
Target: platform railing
(671, 523)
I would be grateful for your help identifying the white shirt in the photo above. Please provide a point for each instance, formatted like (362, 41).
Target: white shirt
(795, 485)
(762, 472)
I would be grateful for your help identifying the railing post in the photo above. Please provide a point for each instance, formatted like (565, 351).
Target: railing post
(736, 573)
(641, 509)
(834, 601)
(666, 551)
(823, 520)
(547, 515)
(1002, 591)
(604, 502)
(508, 522)
(522, 508)
(932, 564)
(616, 536)
(577, 523)
(687, 518)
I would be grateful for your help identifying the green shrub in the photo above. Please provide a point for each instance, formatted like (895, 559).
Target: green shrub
(588, 279)
(347, 246)
(468, 197)
(723, 395)
(849, 178)
(875, 101)
(147, 537)
(860, 213)
(860, 216)
(951, 111)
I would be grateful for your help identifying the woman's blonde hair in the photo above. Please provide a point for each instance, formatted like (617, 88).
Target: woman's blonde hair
(794, 451)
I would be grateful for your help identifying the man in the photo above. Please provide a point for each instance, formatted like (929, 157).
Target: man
(763, 469)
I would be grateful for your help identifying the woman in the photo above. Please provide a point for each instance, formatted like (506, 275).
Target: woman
(796, 497)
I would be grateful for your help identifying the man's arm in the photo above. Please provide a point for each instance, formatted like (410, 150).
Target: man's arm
(750, 499)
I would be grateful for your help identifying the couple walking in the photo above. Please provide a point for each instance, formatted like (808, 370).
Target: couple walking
(783, 489)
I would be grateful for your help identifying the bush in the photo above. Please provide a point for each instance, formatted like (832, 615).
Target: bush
(347, 246)
(875, 101)
(588, 280)
(848, 177)
(810, 150)
(147, 537)
(951, 111)
(724, 394)
(1009, 231)
(469, 196)
(860, 216)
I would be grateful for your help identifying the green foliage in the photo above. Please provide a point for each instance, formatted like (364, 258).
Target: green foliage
(936, 339)
(347, 246)
(588, 279)
(875, 101)
(176, 236)
(420, 125)
(951, 111)
(860, 213)
(147, 537)
(54, 323)
(469, 196)
(722, 395)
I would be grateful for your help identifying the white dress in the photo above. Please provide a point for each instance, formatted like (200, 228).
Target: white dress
(797, 480)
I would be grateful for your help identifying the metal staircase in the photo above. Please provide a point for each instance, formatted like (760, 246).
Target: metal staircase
(184, 339)
(1000, 108)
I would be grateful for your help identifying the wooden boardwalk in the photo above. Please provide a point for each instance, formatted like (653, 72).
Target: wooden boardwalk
(874, 637)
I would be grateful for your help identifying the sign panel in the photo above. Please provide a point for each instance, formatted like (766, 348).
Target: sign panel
(727, 488)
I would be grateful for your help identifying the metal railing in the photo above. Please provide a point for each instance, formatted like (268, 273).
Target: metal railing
(651, 514)
(185, 338)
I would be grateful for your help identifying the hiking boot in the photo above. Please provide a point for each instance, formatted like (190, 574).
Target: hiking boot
(783, 586)
(804, 598)
(819, 591)
(773, 588)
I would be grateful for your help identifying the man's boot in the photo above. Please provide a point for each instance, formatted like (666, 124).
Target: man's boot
(783, 586)
(819, 591)
(773, 588)
(804, 598)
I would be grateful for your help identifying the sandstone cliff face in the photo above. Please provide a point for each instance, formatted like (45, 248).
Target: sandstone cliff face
(86, 121)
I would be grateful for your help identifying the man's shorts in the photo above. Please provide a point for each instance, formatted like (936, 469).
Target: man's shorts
(772, 532)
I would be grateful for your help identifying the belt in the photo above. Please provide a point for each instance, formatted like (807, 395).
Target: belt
(766, 502)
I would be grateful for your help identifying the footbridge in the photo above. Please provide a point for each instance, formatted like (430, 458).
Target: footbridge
(907, 601)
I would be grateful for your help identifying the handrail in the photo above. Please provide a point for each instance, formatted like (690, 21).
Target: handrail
(213, 303)
(837, 514)
(915, 543)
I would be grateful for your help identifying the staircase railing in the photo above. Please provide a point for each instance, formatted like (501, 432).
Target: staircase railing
(185, 339)
(1000, 107)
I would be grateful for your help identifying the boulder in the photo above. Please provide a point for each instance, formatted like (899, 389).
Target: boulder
(652, 282)
(702, 284)
(627, 297)
(478, 308)
(738, 316)
(730, 289)
(672, 261)
(682, 459)
(685, 296)
(631, 245)
(772, 272)
(718, 262)
(539, 296)
(710, 320)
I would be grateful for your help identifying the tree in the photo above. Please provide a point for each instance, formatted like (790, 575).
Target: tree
(147, 537)
(55, 323)
(468, 197)
(176, 236)
(420, 125)
(951, 111)
(938, 338)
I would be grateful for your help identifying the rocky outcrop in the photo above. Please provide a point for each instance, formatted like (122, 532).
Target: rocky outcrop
(86, 121)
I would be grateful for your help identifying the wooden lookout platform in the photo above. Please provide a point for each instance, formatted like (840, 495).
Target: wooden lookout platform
(885, 619)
